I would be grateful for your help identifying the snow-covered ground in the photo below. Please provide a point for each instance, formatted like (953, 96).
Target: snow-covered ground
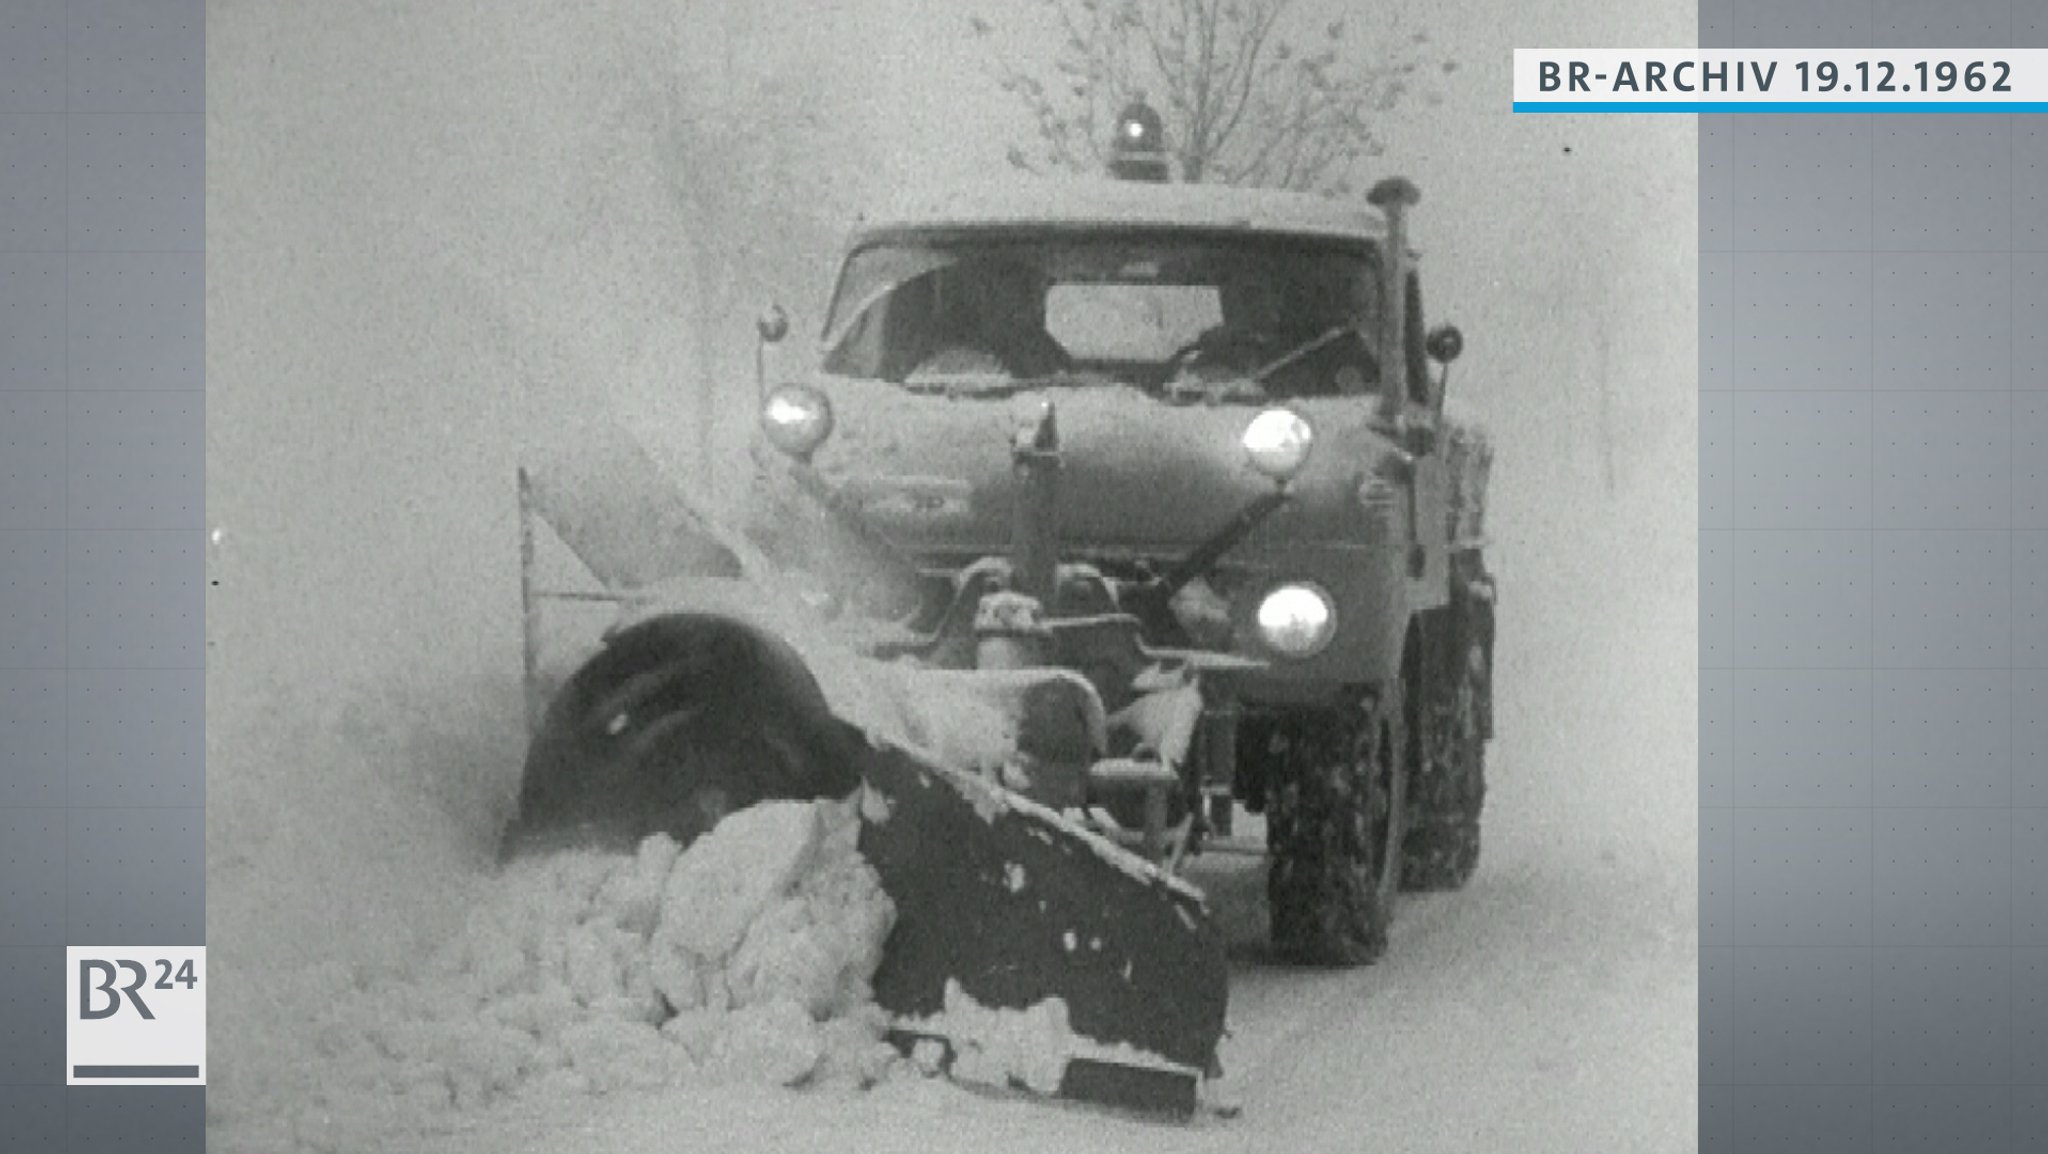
(433, 227)
(1550, 1007)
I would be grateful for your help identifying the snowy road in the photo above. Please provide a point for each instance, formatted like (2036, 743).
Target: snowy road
(1468, 1040)
(1548, 1008)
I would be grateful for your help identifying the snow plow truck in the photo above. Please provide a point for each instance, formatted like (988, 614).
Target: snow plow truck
(1114, 515)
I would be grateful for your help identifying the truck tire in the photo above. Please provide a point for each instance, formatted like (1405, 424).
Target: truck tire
(1335, 789)
(1448, 790)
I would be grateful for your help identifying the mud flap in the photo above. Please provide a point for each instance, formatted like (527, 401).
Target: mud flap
(1019, 906)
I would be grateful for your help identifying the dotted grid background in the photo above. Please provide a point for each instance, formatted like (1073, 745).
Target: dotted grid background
(102, 331)
(1874, 606)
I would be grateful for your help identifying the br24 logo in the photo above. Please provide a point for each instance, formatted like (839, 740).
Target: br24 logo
(105, 972)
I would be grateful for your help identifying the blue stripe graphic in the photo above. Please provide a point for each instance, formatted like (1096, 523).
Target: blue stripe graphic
(1819, 104)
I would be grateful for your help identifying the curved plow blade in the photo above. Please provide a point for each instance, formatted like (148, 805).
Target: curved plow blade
(1007, 907)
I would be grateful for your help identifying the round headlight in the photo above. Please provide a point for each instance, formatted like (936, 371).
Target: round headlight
(797, 420)
(1297, 620)
(1278, 441)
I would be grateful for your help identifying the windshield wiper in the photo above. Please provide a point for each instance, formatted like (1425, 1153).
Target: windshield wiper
(1251, 386)
(1299, 351)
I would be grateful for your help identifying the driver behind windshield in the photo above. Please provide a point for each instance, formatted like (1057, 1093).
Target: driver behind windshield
(988, 317)
(1298, 335)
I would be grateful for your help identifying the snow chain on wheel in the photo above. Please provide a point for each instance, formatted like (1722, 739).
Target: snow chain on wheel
(1448, 791)
(1335, 794)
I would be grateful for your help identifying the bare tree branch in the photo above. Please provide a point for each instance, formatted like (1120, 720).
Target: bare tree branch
(1251, 97)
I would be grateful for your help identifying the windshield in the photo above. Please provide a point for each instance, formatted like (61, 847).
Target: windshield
(1260, 315)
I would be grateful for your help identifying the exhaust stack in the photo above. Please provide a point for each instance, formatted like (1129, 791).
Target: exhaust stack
(1394, 196)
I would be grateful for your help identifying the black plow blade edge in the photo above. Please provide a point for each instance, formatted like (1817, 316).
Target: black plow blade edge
(1019, 906)
(1138, 1089)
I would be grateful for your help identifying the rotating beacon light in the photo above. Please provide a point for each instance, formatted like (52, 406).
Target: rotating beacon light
(1139, 150)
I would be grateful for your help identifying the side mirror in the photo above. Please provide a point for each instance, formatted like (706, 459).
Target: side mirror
(771, 327)
(1444, 344)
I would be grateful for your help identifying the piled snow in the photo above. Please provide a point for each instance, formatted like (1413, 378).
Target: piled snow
(743, 960)
(1028, 1047)
(995, 1047)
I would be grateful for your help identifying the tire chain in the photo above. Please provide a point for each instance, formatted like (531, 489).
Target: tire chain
(1448, 790)
(1322, 891)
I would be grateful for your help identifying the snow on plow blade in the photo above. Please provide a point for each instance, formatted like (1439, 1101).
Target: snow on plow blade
(1012, 906)
(1035, 954)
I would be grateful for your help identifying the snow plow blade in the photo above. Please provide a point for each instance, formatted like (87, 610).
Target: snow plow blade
(1012, 906)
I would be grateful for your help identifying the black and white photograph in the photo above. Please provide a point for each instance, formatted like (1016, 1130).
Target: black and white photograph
(1040, 575)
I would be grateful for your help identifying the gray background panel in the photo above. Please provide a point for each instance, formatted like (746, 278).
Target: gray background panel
(1954, 1119)
(34, 1115)
(1717, 736)
(32, 56)
(1798, 1119)
(102, 336)
(1801, 737)
(32, 1015)
(1789, 445)
(137, 183)
(133, 54)
(144, 436)
(31, 319)
(2030, 1019)
(1943, 876)
(1802, 1014)
(1944, 460)
(1803, 184)
(1944, 598)
(32, 196)
(2029, 440)
(129, 881)
(1958, 719)
(1943, 1016)
(1802, 876)
(2029, 172)
(2030, 877)
(137, 737)
(1971, 346)
(1944, 185)
(31, 737)
(32, 586)
(2030, 737)
(2030, 598)
(1799, 599)
(31, 460)
(1887, 271)
(1951, 24)
(32, 876)
(136, 598)
(137, 320)
(1784, 23)
(1801, 320)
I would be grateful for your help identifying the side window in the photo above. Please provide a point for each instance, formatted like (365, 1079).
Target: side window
(1413, 342)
